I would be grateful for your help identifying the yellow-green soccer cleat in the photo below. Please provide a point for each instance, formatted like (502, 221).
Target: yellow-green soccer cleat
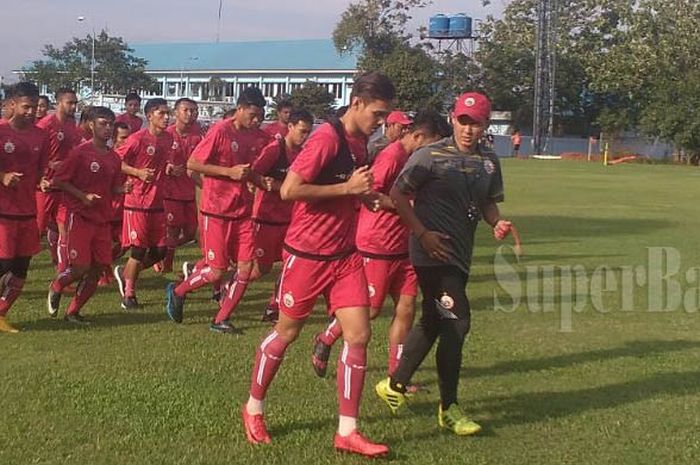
(394, 399)
(457, 422)
(6, 327)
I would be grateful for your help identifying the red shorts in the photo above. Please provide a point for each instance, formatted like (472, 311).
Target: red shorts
(389, 277)
(342, 283)
(86, 243)
(143, 229)
(226, 240)
(181, 213)
(116, 230)
(18, 238)
(269, 239)
(46, 208)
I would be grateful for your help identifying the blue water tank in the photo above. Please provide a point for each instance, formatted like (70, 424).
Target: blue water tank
(460, 26)
(439, 27)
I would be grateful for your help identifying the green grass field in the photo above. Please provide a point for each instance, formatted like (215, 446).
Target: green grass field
(619, 384)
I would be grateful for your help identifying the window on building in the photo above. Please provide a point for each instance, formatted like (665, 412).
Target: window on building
(281, 88)
(268, 89)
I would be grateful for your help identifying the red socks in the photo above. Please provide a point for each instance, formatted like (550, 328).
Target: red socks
(332, 333)
(13, 288)
(199, 278)
(268, 359)
(350, 377)
(86, 289)
(395, 351)
(234, 293)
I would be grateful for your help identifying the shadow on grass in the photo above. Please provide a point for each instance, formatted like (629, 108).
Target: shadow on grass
(542, 227)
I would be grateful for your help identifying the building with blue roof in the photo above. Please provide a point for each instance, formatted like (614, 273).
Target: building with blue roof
(218, 72)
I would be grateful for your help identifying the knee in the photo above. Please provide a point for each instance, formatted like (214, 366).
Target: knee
(245, 271)
(459, 327)
(288, 334)
(357, 336)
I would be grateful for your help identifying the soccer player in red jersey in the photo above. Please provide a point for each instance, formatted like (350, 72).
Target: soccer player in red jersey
(42, 108)
(279, 128)
(131, 117)
(84, 124)
(144, 158)
(63, 136)
(325, 181)
(23, 157)
(224, 157)
(89, 178)
(180, 202)
(382, 240)
(271, 214)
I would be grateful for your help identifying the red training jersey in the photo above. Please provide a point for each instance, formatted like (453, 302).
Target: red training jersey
(226, 146)
(324, 227)
(92, 172)
(134, 122)
(269, 207)
(23, 152)
(63, 136)
(382, 232)
(144, 150)
(181, 187)
(276, 129)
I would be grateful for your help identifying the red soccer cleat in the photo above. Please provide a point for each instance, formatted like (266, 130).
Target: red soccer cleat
(355, 443)
(255, 429)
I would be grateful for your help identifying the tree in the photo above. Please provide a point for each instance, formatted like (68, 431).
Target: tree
(314, 97)
(117, 70)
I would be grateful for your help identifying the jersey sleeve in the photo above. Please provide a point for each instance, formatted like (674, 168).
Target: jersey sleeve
(204, 151)
(128, 151)
(267, 159)
(318, 151)
(416, 172)
(384, 171)
(66, 169)
(495, 192)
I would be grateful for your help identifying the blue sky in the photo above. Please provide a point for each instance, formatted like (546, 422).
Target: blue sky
(29, 24)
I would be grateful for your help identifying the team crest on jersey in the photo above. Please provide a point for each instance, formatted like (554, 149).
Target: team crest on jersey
(447, 302)
(211, 255)
(9, 147)
(288, 300)
(470, 102)
(259, 253)
(73, 254)
(60, 136)
(151, 150)
(372, 290)
(94, 167)
(234, 146)
(175, 145)
(489, 166)
(133, 235)
(171, 217)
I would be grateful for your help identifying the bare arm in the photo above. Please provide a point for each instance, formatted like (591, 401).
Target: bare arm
(86, 198)
(489, 211)
(295, 188)
(236, 172)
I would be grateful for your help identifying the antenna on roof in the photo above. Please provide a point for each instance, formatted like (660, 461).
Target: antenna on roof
(218, 25)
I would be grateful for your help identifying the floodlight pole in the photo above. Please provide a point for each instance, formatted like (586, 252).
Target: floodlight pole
(92, 61)
(545, 72)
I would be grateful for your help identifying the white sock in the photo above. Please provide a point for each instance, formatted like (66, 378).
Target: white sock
(346, 425)
(254, 406)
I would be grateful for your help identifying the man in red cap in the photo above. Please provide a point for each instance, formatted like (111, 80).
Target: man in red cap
(454, 183)
(397, 123)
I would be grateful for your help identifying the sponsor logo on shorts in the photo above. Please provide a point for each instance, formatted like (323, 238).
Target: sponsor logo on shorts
(60, 136)
(489, 166)
(9, 147)
(211, 255)
(171, 217)
(372, 290)
(73, 254)
(234, 146)
(288, 300)
(259, 253)
(94, 167)
(150, 150)
(470, 102)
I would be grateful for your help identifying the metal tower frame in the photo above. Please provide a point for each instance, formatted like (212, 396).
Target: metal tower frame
(545, 75)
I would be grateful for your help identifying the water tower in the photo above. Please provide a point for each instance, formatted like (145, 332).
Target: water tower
(456, 30)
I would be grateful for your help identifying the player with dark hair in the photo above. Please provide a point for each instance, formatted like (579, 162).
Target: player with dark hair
(42, 108)
(325, 181)
(226, 230)
(180, 202)
(279, 128)
(89, 178)
(144, 158)
(24, 151)
(454, 183)
(382, 240)
(63, 136)
(132, 102)
(271, 214)
(84, 127)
